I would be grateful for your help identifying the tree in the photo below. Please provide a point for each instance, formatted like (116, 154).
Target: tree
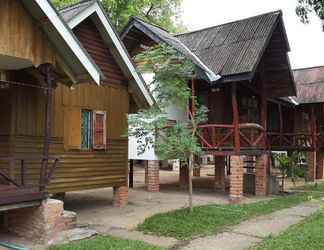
(164, 13)
(305, 7)
(172, 72)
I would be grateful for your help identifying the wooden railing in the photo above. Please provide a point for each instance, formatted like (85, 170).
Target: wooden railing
(222, 136)
(47, 168)
(300, 141)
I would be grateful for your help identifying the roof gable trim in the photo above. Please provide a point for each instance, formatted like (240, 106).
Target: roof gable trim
(96, 8)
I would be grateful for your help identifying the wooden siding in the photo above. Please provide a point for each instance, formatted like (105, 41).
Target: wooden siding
(21, 36)
(90, 38)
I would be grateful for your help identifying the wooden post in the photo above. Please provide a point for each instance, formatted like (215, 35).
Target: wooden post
(235, 118)
(263, 115)
(280, 123)
(47, 126)
(131, 173)
(313, 127)
(193, 92)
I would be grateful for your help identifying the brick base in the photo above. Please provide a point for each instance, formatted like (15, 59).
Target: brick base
(120, 196)
(183, 177)
(196, 172)
(220, 172)
(319, 165)
(311, 166)
(152, 176)
(261, 166)
(236, 178)
(42, 222)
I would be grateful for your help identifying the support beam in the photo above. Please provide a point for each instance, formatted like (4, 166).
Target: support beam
(220, 173)
(261, 166)
(131, 174)
(235, 118)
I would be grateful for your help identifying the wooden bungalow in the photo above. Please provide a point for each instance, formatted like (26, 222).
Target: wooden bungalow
(309, 116)
(66, 84)
(247, 115)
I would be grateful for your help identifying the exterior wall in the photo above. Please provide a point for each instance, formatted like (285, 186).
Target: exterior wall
(78, 170)
(21, 37)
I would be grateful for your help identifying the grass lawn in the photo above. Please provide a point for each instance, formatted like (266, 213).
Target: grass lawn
(307, 235)
(204, 220)
(106, 243)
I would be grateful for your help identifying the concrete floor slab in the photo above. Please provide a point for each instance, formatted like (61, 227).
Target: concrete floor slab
(223, 241)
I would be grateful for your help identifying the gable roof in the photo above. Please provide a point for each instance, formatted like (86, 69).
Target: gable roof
(77, 63)
(229, 50)
(160, 35)
(93, 9)
(236, 47)
(310, 84)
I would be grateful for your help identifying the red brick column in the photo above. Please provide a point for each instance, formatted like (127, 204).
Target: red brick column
(261, 166)
(42, 222)
(220, 172)
(236, 178)
(120, 196)
(183, 176)
(153, 178)
(196, 172)
(319, 165)
(311, 166)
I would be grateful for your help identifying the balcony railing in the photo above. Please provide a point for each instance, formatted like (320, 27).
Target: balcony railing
(221, 137)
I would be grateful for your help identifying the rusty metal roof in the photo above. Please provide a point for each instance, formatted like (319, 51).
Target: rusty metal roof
(233, 48)
(310, 84)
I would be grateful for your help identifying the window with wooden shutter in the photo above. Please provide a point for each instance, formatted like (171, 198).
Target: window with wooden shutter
(86, 129)
(99, 129)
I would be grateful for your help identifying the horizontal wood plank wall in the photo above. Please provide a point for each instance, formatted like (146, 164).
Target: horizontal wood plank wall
(21, 36)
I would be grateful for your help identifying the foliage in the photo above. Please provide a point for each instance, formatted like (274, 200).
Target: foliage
(105, 243)
(210, 219)
(287, 166)
(164, 13)
(306, 235)
(305, 7)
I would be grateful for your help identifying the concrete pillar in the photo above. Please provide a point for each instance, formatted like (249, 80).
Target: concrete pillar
(152, 176)
(120, 196)
(311, 166)
(220, 172)
(183, 176)
(261, 165)
(236, 178)
(319, 165)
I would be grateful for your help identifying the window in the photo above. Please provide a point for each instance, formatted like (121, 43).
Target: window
(93, 129)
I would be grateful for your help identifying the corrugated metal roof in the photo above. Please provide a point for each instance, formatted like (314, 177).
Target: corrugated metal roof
(232, 48)
(71, 11)
(310, 84)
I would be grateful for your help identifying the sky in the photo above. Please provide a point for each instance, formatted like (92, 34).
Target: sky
(306, 41)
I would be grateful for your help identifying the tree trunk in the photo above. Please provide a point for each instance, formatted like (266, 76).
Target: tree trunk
(190, 166)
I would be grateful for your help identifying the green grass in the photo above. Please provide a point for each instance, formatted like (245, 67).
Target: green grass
(306, 235)
(106, 243)
(210, 219)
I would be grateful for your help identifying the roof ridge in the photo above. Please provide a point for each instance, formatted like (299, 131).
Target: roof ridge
(153, 24)
(235, 21)
(75, 5)
(305, 68)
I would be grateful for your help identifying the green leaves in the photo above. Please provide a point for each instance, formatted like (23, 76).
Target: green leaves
(305, 7)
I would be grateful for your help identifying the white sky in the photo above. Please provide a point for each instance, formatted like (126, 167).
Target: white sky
(306, 41)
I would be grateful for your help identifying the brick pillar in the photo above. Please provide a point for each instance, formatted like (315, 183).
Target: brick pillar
(236, 178)
(42, 222)
(220, 172)
(196, 172)
(319, 165)
(261, 166)
(153, 178)
(183, 176)
(311, 166)
(120, 196)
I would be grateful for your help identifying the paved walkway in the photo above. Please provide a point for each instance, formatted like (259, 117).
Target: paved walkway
(253, 231)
